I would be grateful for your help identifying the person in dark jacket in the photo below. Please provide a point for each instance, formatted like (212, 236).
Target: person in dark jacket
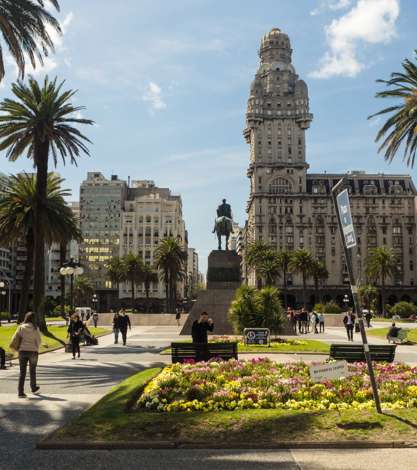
(116, 327)
(201, 327)
(349, 322)
(2, 358)
(75, 329)
(124, 323)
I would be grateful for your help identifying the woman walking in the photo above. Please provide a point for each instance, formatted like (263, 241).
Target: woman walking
(75, 329)
(27, 340)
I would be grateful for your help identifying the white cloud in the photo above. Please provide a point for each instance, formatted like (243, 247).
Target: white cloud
(153, 96)
(368, 22)
(332, 5)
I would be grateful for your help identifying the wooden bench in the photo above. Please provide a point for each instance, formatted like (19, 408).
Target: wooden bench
(181, 352)
(355, 353)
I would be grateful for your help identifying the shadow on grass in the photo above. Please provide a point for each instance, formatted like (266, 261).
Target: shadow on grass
(50, 335)
(401, 419)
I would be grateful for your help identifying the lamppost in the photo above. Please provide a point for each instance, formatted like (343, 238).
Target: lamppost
(346, 300)
(94, 301)
(3, 284)
(70, 269)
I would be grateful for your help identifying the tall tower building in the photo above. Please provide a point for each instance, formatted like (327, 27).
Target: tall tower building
(290, 208)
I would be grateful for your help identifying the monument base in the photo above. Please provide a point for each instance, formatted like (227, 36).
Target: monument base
(223, 278)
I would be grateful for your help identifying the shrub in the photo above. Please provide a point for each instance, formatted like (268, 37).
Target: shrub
(319, 308)
(403, 309)
(5, 316)
(254, 308)
(58, 310)
(331, 307)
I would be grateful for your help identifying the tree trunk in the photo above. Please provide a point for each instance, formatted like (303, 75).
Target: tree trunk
(41, 152)
(147, 287)
(24, 292)
(284, 288)
(62, 259)
(133, 294)
(167, 290)
(304, 290)
(383, 295)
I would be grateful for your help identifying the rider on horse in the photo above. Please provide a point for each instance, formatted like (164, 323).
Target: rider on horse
(223, 224)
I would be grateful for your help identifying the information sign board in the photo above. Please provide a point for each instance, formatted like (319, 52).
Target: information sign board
(256, 335)
(343, 207)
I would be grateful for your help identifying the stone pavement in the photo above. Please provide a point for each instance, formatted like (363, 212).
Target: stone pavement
(69, 386)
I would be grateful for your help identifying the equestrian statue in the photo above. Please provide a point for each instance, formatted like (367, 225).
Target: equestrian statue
(223, 224)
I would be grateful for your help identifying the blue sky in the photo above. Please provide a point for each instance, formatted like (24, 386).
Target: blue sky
(167, 84)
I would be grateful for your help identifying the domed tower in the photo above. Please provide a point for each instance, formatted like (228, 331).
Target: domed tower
(276, 120)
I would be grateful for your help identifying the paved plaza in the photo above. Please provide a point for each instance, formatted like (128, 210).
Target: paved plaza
(70, 386)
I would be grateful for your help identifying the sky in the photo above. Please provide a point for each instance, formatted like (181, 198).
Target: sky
(167, 85)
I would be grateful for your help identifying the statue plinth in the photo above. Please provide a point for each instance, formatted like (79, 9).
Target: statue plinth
(223, 278)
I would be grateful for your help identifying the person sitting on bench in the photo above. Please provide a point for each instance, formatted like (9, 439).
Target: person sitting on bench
(2, 358)
(392, 334)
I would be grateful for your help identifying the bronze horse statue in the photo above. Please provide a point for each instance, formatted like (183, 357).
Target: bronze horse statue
(223, 227)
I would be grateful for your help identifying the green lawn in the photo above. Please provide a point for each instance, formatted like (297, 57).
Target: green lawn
(58, 335)
(112, 419)
(382, 333)
(390, 320)
(290, 346)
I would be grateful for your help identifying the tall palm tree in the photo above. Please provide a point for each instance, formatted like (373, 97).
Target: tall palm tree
(116, 270)
(39, 123)
(318, 273)
(83, 290)
(401, 127)
(381, 264)
(133, 268)
(24, 26)
(284, 260)
(170, 260)
(148, 276)
(17, 207)
(269, 268)
(256, 253)
(301, 263)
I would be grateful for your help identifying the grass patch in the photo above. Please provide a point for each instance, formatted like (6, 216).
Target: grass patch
(57, 336)
(382, 333)
(390, 320)
(287, 346)
(109, 421)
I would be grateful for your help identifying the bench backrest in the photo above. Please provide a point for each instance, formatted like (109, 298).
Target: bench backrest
(181, 351)
(354, 352)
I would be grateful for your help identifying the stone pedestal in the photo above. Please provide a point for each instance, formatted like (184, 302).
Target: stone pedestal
(223, 278)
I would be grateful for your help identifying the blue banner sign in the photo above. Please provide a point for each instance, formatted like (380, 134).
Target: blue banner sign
(343, 207)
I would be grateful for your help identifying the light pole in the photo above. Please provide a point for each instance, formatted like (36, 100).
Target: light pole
(70, 269)
(94, 301)
(3, 284)
(346, 300)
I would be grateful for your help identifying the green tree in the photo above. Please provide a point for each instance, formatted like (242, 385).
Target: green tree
(380, 265)
(284, 261)
(116, 270)
(269, 267)
(401, 127)
(83, 290)
(256, 253)
(26, 29)
(39, 123)
(252, 308)
(302, 262)
(403, 309)
(170, 260)
(17, 207)
(319, 274)
(133, 272)
(148, 276)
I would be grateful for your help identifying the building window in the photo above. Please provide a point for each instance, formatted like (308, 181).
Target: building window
(280, 186)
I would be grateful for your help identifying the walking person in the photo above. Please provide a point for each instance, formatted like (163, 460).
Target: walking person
(124, 322)
(27, 341)
(349, 322)
(116, 327)
(2, 359)
(315, 320)
(178, 316)
(321, 322)
(368, 317)
(95, 319)
(75, 329)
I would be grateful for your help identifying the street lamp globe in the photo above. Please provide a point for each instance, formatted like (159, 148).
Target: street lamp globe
(2, 284)
(78, 271)
(63, 271)
(70, 271)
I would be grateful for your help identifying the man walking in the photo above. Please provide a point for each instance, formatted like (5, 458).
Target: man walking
(349, 322)
(124, 323)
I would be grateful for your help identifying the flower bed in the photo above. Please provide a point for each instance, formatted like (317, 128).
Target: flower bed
(261, 383)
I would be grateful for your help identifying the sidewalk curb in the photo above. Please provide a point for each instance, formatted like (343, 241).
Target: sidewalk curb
(104, 445)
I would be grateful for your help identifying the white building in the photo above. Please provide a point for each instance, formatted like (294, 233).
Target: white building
(192, 272)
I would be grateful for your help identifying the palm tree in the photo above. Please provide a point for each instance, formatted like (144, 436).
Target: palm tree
(256, 254)
(269, 267)
(301, 263)
(170, 260)
(148, 276)
(116, 271)
(284, 260)
(381, 264)
(38, 123)
(83, 290)
(17, 207)
(318, 273)
(24, 27)
(133, 272)
(401, 126)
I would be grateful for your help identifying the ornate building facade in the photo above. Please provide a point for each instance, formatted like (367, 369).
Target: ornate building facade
(290, 208)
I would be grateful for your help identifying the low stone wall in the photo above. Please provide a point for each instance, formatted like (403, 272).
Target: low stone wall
(333, 319)
(143, 319)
